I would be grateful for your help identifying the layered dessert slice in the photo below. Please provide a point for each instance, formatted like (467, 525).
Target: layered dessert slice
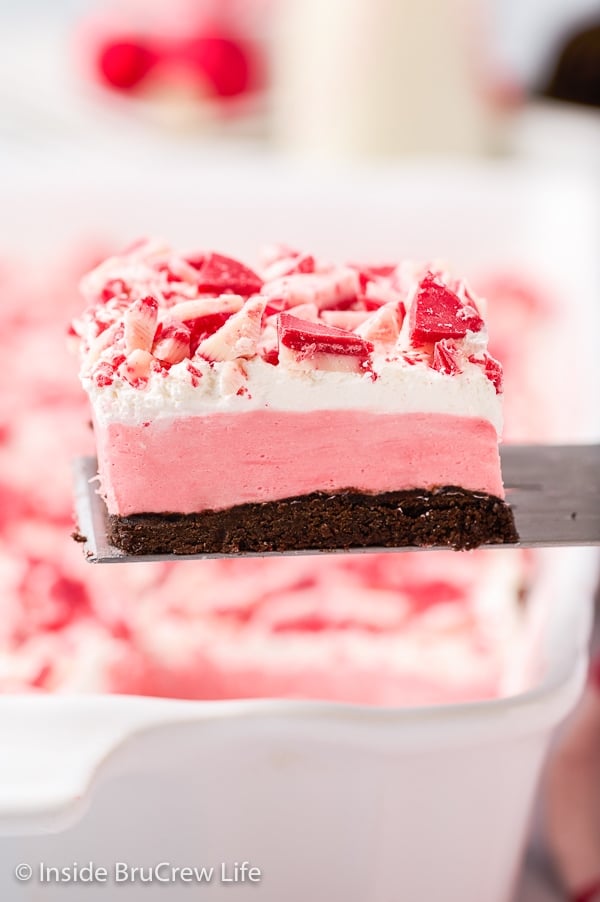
(300, 405)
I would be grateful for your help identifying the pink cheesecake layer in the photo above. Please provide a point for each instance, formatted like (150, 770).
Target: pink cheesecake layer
(216, 461)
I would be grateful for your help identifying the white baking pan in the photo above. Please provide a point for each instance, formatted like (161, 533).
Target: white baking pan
(331, 802)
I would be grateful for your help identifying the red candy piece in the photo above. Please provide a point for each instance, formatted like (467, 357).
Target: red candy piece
(437, 313)
(124, 63)
(104, 375)
(169, 274)
(368, 273)
(492, 369)
(114, 288)
(271, 356)
(275, 305)
(372, 304)
(304, 263)
(383, 270)
(343, 304)
(203, 326)
(445, 357)
(217, 274)
(299, 334)
(295, 264)
(195, 374)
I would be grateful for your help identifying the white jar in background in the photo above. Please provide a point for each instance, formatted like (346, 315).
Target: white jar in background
(364, 77)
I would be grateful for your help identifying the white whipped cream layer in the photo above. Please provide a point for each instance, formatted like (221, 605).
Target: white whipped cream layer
(397, 388)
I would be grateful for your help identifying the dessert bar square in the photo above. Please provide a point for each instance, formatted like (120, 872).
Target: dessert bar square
(296, 405)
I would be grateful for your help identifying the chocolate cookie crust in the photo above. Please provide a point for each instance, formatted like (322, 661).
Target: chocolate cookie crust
(448, 516)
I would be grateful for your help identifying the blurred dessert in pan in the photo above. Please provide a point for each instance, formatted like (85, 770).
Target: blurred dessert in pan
(397, 629)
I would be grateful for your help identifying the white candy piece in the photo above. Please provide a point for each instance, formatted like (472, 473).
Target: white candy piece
(239, 336)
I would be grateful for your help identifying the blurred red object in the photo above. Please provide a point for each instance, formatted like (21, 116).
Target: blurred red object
(203, 50)
(227, 65)
(589, 894)
(124, 63)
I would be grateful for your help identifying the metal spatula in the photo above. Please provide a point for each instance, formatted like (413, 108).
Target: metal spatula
(554, 491)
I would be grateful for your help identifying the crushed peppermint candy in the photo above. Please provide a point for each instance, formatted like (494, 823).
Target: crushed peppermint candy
(151, 308)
